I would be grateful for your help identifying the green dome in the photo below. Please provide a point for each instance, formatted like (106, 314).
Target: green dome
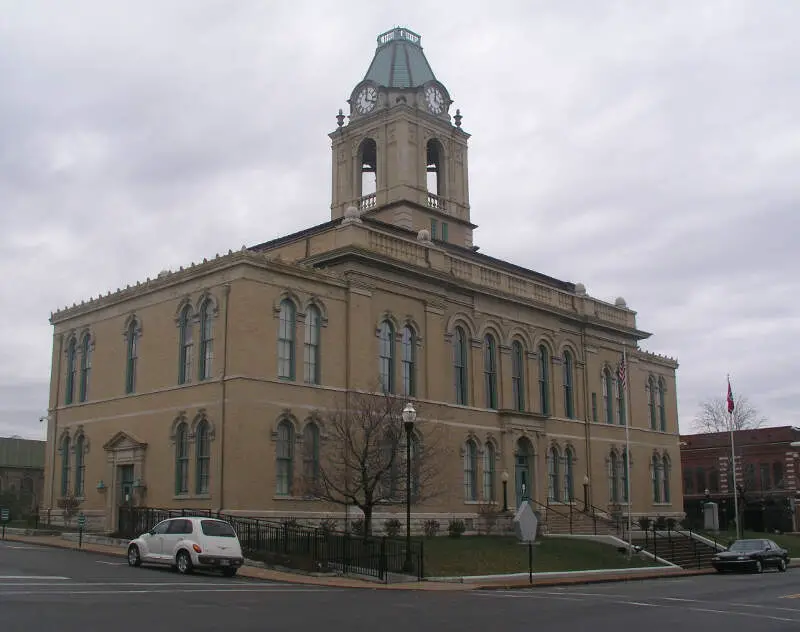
(399, 61)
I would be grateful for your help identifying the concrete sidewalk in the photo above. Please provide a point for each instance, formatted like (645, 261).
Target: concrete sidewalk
(501, 582)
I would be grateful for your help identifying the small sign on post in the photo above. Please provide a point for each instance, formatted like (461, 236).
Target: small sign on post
(4, 518)
(81, 527)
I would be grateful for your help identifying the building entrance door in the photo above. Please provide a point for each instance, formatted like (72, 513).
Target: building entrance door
(125, 484)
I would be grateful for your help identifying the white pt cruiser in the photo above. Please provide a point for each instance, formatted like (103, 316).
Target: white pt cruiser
(189, 543)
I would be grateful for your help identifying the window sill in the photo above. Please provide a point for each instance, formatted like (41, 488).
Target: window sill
(297, 498)
(188, 496)
(662, 504)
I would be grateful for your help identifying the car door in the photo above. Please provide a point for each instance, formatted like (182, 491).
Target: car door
(176, 531)
(153, 541)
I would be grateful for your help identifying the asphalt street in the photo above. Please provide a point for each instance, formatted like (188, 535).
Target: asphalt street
(43, 588)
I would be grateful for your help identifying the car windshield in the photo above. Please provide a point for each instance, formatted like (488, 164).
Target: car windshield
(747, 545)
(217, 529)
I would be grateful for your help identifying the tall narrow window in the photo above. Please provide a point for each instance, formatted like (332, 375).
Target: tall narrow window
(713, 481)
(777, 474)
(613, 477)
(285, 458)
(206, 339)
(185, 344)
(569, 475)
(434, 232)
(666, 469)
(460, 366)
(471, 471)
(608, 395)
(651, 401)
(311, 457)
(434, 166)
(409, 348)
(132, 356)
(65, 466)
(80, 465)
(569, 394)
(311, 357)
(620, 402)
(544, 380)
(386, 357)
(488, 471)
(286, 336)
(662, 407)
(368, 159)
(518, 375)
(490, 370)
(445, 232)
(203, 457)
(86, 367)
(553, 488)
(625, 475)
(594, 407)
(655, 466)
(181, 459)
(72, 352)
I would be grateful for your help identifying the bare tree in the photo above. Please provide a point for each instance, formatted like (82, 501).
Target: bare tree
(713, 415)
(363, 456)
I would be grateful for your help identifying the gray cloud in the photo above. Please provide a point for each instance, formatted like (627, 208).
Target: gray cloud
(645, 149)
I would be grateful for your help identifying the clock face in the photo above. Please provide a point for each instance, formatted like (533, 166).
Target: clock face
(434, 99)
(366, 99)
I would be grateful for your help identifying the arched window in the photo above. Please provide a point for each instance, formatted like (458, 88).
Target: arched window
(368, 182)
(662, 408)
(435, 171)
(490, 370)
(206, 339)
(713, 481)
(284, 458)
(569, 395)
(460, 366)
(185, 345)
(65, 445)
(131, 356)
(613, 477)
(621, 412)
(666, 468)
(69, 391)
(80, 465)
(700, 477)
(182, 459)
(656, 473)
(625, 474)
(203, 457)
(518, 375)
(86, 367)
(286, 337)
(409, 349)
(488, 471)
(651, 401)
(608, 395)
(311, 457)
(553, 488)
(386, 357)
(569, 475)
(544, 380)
(470, 471)
(311, 353)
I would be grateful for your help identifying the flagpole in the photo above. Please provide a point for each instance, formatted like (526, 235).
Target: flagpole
(733, 457)
(627, 450)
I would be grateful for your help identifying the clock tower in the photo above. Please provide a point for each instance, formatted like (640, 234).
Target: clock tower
(400, 157)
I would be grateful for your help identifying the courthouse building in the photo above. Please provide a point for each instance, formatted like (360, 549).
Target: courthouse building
(207, 386)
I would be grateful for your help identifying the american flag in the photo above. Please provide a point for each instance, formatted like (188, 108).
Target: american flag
(622, 372)
(730, 397)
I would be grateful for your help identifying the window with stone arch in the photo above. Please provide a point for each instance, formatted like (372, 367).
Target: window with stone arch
(518, 375)
(72, 356)
(311, 353)
(614, 476)
(65, 447)
(386, 356)
(460, 366)
(182, 458)
(86, 367)
(435, 167)
(657, 472)
(569, 389)
(625, 474)
(206, 339)
(544, 380)
(662, 406)
(185, 345)
(368, 167)
(284, 456)
(132, 334)
(203, 457)
(608, 395)
(651, 401)
(489, 458)
(470, 470)
(569, 475)
(666, 468)
(553, 474)
(490, 371)
(80, 465)
(286, 338)
(621, 412)
(311, 457)
(409, 344)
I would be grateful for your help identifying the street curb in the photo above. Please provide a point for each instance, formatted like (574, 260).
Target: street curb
(580, 581)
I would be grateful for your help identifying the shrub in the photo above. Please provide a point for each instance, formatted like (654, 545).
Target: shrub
(661, 523)
(644, 523)
(327, 525)
(357, 526)
(431, 528)
(456, 528)
(392, 527)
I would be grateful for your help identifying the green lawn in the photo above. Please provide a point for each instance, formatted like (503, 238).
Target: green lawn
(489, 555)
(789, 542)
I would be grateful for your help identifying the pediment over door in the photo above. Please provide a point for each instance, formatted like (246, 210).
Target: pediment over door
(533, 422)
(124, 441)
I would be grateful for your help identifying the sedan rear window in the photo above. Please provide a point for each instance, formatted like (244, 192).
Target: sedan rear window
(217, 529)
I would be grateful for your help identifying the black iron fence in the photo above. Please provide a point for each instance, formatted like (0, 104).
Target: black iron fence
(295, 546)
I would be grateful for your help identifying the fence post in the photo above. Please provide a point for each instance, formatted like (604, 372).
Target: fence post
(530, 561)
(421, 573)
(382, 563)
(570, 518)
(655, 541)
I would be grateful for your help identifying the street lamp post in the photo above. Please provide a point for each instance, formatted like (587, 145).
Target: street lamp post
(504, 477)
(409, 417)
(586, 493)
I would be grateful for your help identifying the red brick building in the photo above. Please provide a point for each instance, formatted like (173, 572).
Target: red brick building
(767, 469)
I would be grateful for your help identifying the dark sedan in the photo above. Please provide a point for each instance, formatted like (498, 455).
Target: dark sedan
(751, 555)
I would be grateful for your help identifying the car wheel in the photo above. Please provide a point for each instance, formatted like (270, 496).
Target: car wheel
(759, 567)
(229, 572)
(184, 563)
(134, 559)
(782, 565)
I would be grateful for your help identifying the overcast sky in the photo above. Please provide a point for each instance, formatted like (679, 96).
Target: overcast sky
(646, 149)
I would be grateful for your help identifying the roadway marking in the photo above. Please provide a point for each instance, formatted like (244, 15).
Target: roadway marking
(65, 591)
(54, 577)
(111, 563)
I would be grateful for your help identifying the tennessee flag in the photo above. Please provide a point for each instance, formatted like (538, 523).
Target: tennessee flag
(730, 397)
